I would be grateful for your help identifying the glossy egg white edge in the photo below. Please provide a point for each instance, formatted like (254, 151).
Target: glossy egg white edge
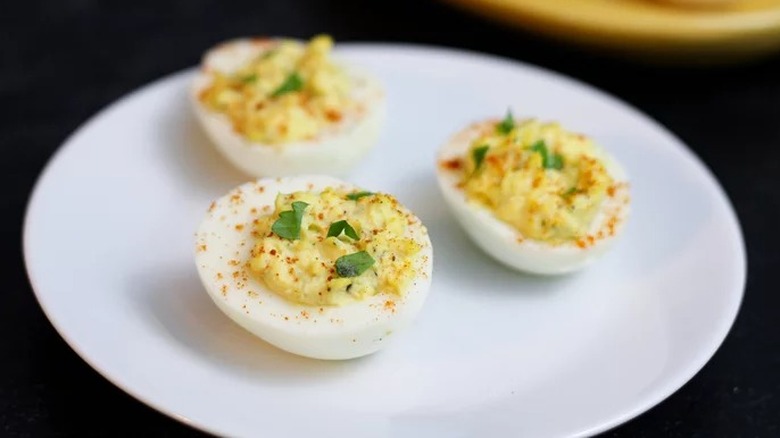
(223, 245)
(333, 152)
(503, 242)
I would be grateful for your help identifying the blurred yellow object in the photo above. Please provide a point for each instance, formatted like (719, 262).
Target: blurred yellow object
(650, 29)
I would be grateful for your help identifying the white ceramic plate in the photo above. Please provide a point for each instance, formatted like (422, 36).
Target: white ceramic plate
(109, 249)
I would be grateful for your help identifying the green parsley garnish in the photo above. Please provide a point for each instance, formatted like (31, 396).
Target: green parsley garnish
(507, 125)
(337, 227)
(570, 192)
(288, 226)
(549, 161)
(357, 195)
(248, 79)
(478, 154)
(291, 84)
(353, 265)
(556, 162)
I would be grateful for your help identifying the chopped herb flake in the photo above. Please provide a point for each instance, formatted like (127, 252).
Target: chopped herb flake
(540, 147)
(288, 226)
(357, 195)
(336, 228)
(248, 79)
(507, 125)
(291, 84)
(352, 265)
(478, 154)
(556, 162)
(570, 192)
(549, 161)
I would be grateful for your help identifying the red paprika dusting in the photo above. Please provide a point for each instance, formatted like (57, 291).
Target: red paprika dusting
(333, 115)
(452, 164)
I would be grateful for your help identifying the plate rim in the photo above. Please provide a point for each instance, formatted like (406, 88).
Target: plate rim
(646, 403)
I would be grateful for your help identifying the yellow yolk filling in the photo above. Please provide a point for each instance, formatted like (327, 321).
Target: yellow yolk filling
(289, 92)
(544, 181)
(304, 270)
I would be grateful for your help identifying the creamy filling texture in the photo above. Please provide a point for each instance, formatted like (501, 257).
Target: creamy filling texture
(545, 182)
(335, 247)
(289, 92)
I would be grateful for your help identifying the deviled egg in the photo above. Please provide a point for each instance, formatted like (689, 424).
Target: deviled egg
(315, 266)
(278, 107)
(532, 195)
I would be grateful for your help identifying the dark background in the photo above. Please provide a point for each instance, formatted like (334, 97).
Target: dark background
(61, 61)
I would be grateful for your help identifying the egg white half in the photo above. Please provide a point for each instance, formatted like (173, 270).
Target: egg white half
(504, 243)
(223, 246)
(333, 152)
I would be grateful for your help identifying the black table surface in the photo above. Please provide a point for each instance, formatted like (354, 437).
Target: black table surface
(61, 61)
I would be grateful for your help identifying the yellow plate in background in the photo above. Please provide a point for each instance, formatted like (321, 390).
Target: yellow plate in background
(647, 28)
